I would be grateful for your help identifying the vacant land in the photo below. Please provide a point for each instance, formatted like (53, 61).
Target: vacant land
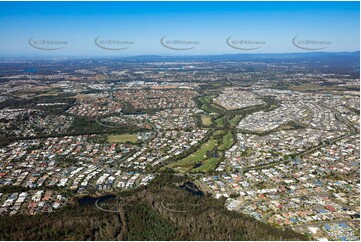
(322, 89)
(122, 138)
(206, 120)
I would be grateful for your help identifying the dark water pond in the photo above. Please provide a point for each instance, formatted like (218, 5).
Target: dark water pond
(87, 200)
(31, 70)
(192, 188)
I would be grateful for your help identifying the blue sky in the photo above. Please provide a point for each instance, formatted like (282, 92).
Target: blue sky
(145, 23)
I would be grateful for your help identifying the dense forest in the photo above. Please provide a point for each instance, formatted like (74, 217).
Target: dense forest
(161, 211)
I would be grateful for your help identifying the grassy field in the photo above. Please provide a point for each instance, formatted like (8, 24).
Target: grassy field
(51, 92)
(206, 120)
(208, 165)
(227, 141)
(220, 122)
(235, 120)
(207, 99)
(122, 138)
(219, 132)
(306, 87)
(247, 152)
(188, 163)
(208, 108)
(211, 108)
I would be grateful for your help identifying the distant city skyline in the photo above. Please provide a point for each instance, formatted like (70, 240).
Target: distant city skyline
(176, 28)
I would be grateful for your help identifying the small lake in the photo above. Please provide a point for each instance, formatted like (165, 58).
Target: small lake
(87, 200)
(192, 188)
(31, 70)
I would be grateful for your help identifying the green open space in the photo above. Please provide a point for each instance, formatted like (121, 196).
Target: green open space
(220, 122)
(210, 108)
(50, 92)
(207, 99)
(247, 152)
(207, 165)
(235, 120)
(122, 138)
(188, 162)
(227, 141)
(219, 132)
